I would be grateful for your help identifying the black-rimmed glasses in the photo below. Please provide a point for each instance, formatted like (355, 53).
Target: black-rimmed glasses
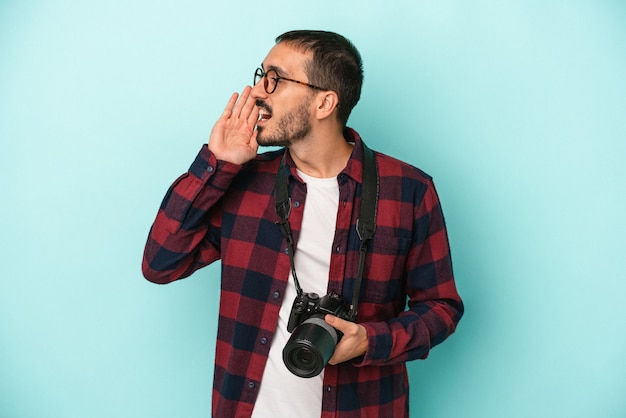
(271, 79)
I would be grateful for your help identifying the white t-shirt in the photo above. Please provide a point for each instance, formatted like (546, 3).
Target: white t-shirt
(283, 394)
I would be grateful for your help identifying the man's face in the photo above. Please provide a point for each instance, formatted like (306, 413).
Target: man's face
(285, 115)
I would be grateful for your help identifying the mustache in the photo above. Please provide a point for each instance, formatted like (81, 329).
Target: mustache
(260, 103)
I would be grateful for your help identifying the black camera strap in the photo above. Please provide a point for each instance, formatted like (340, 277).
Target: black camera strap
(365, 225)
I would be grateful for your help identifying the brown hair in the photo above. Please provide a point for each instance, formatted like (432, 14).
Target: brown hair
(336, 65)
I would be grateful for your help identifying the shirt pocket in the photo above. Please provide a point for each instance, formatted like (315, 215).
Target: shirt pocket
(390, 244)
(385, 271)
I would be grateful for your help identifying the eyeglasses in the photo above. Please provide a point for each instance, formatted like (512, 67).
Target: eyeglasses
(271, 79)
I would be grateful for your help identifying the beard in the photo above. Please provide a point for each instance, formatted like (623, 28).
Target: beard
(290, 128)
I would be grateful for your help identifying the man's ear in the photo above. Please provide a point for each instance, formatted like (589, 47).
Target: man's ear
(327, 104)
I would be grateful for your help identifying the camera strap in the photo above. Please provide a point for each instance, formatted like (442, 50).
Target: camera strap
(365, 224)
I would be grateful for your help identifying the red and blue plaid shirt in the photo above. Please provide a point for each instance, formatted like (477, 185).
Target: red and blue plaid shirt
(222, 211)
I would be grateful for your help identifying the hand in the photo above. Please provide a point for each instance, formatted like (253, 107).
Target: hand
(233, 137)
(353, 343)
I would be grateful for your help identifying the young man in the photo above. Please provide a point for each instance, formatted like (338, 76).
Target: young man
(224, 209)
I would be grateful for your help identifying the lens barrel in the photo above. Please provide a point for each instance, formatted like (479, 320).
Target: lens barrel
(310, 347)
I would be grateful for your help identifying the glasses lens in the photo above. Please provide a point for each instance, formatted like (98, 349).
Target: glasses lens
(271, 79)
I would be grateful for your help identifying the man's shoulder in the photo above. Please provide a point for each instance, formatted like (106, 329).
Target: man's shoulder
(389, 166)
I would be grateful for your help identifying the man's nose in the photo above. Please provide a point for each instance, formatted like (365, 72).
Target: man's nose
(258, 91)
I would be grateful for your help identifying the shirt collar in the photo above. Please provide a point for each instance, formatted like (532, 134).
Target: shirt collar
(354, 167)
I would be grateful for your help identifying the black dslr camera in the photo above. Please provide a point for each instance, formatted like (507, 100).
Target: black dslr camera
(312, 341)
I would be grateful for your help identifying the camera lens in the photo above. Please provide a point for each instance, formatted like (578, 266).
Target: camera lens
(310, 347)
(303, 358)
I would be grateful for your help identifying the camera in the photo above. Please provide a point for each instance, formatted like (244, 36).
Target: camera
(312, 341)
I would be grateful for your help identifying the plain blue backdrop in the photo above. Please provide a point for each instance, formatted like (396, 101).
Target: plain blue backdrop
(517, 109)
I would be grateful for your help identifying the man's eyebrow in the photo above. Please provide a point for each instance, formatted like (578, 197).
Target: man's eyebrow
(278, 70)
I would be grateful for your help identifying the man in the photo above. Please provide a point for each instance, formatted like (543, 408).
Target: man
(224, 209)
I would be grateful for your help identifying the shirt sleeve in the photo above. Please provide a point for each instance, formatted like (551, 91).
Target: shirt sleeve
(434, 305)
(185, 235)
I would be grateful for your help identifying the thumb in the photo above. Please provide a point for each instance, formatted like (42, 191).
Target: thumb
(337, 323)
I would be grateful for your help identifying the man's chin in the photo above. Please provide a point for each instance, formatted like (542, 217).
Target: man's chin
(271, 142)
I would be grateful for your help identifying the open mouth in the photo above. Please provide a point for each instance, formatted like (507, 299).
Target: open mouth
(264, 115)
(265, 112)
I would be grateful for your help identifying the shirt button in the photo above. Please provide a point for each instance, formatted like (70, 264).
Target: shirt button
(210, 169)
(276, 294)
(263, 340)
(296, 204)
(251, 385)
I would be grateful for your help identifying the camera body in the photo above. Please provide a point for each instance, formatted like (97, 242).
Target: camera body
(310, 304)
(312, 341)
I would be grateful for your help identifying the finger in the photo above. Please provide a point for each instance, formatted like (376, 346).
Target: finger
(253, 115)
(243, 99)
(228, 110)
(249, 109)
(336, 322)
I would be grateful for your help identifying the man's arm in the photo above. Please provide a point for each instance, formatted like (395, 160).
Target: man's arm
(434, 305)
(185, 235)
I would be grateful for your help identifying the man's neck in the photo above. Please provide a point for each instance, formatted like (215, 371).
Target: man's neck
(321, 156)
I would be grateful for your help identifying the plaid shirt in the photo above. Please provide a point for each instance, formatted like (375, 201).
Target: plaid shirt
(218, 210)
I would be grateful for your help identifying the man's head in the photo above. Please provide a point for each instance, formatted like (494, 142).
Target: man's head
(335, 64)
(308, 77)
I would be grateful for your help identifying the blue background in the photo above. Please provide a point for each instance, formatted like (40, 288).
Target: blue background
(515, 108)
